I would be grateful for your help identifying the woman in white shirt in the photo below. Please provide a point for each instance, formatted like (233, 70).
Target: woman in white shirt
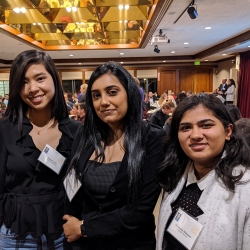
(230, 93)
(205, 174)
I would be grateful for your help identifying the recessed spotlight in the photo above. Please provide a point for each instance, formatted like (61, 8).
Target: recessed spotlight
(120, 7)
(120, 21)
(125, 21)
(208, 28)
(206, 60)
(79, 63)
(164, 61)
(121, 62)
(186, 43)
(173, 52)
(224, 54)
(74, 9)
(71, 55)
(38, 23)
(121, 53)
(126, 7)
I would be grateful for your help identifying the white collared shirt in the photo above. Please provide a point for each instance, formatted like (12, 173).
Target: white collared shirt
(202, 183)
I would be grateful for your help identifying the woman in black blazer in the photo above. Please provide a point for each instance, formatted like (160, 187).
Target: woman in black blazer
(31, 193)
(116, 159)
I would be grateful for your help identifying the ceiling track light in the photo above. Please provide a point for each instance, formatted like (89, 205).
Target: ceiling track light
(192, 12)
(156, 49)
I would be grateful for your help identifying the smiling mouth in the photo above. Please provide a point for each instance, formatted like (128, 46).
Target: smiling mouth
(198, 145)
(36, 98)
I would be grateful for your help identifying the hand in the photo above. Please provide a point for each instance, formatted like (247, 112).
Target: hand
(71, 228)
(220, 92)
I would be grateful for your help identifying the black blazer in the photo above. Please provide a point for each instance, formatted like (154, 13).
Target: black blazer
(113, 224)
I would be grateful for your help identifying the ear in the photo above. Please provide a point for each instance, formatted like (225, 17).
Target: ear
(229, 131)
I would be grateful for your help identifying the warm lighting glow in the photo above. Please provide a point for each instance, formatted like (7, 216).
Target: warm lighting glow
(121, 53)
(224, 54)
(17, 10)
(120, 7)
(173, 52)
(121, 62)
(126, 7)
(23, 10)
(120, 21)
(186, 43)
(68, 9)
(74, 9)
(125, 21)
(38, 23)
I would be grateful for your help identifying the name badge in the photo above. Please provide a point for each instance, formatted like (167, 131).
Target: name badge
(71, 184)
(185, 228)
(52, 159)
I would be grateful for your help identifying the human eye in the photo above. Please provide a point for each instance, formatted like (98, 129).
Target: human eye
(41, 78)
(206, 125)
(112, 92)
(95, 95)
(184, 128)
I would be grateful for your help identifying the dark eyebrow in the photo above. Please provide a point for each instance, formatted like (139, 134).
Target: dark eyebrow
(201, 121)
(107, 88)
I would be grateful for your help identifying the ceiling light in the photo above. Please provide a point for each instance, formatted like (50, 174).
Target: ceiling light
(68, 9)
(126, 7)
(125, 21)
(206, 60)
(17, 10)
(208, 28)
(156, 50)
(74, 9)
(120, 7)
(173, 52)
(120, 21)
(121, 53)
(34, 23)
(186, 43)
(38, 23)
(23, 10)
(248, 46)
(224, 54)
(121, 62)
(71, 55)
(79, 63)
(164, 61)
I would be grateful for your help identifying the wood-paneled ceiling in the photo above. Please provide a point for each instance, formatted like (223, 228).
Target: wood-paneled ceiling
(75, 24)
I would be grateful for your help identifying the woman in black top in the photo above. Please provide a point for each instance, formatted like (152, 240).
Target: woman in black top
(116, 159)
(31, 194)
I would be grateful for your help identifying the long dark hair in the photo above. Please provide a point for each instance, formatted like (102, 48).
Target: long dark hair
(175, 162)
(96, 132)
(16, 106)
(232, 82)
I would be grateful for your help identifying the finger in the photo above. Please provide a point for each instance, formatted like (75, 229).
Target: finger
(66, 217)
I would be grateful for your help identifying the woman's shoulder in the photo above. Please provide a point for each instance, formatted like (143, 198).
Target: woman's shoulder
(155, 131)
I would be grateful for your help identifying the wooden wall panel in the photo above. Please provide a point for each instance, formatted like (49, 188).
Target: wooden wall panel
(202, 81)
(167, 81)
(186, 80)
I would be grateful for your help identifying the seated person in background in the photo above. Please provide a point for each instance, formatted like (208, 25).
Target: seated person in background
(152, 98)
(243, 129)
(162, 99)
(82, 95)
(160, 116)
(73, 112)
(66, 97)
(206, 172)
(180, 97)
(81, 112)
(234, 112)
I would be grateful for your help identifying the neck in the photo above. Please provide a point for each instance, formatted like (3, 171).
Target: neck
(39, 118)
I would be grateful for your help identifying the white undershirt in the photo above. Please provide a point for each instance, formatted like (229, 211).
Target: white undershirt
(202, 183)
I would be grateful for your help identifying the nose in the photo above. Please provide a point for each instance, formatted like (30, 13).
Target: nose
(104, 100)
(196, 133)
(33, 86)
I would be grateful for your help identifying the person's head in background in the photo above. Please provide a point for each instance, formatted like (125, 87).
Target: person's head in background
(35, 68)
(231, 82)
(137, 81)
(150, 94)
(162, 99)
(169, 92)
(6, 96)
(83, 88)
(66, 97)
(189, 93)
(74, 111)
(81, 110)
(224, 81)
(234, 112)
(243, 129)
(180, 97)
(167, 108)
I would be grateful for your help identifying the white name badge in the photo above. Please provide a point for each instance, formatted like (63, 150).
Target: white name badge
(52, 159)
(71, 184)
(185, 228)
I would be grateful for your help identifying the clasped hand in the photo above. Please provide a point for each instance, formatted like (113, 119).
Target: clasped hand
(71, 228)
